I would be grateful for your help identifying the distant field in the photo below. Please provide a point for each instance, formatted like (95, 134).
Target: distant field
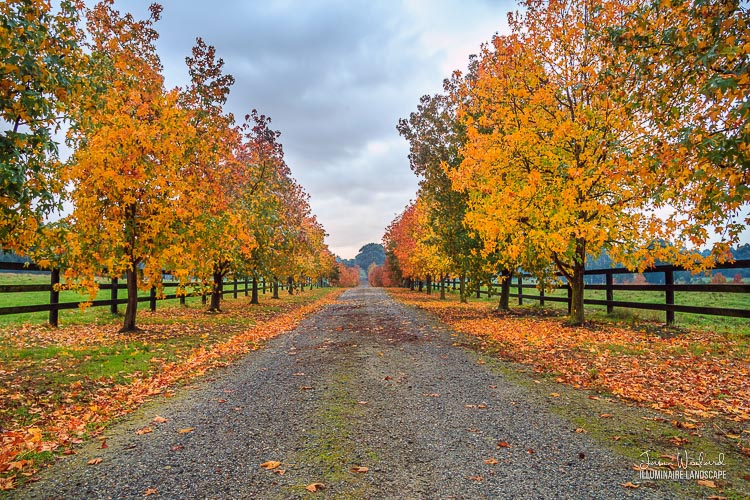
(700, 321)
(90, 315)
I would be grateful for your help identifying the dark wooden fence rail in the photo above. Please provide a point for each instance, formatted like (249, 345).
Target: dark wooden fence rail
(609, 287)
(53, 306)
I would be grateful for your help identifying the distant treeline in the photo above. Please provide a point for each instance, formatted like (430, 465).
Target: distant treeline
(603, 261)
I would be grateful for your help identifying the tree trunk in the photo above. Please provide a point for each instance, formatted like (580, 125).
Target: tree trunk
(462, 289)
(411, 284)
(290, 285)
(504, 304)
(216, 292)
(576, 304)
(275, 288)
(421, 285)
(442, 287)
(132, 306)
(254, 299)
(429, 284)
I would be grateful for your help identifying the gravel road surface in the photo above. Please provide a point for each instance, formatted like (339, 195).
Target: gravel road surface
(365, 383)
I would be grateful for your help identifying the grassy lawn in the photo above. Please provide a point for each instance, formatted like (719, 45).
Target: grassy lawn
(635, 317)
(90, 315)
(61, 385)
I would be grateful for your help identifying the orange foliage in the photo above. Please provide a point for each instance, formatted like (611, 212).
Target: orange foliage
(700, 374)
(347, 276)
(382, 276)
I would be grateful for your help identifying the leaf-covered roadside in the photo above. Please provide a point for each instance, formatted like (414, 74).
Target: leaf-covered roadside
(48, 403)
(692, 377)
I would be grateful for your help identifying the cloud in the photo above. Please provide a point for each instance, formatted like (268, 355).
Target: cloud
(335, 76)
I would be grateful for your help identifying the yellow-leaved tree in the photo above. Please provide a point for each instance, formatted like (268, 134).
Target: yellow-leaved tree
(551, 155)
(129, 135)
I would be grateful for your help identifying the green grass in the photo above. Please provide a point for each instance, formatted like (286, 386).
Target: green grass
(634, 316)
(88, 316)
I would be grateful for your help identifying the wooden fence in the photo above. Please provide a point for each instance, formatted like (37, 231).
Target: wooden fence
(610, 287)
(53, 305)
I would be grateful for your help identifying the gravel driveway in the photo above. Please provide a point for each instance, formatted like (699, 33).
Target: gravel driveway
(364, 383)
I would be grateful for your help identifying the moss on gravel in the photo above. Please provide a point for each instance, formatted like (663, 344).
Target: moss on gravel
(331, 447)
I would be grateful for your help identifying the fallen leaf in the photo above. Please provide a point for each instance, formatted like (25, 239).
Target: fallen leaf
(503, 444)
(306, 388)
(7, 483)
(315, 487)
(94, 461)
(716, 497)
(432, 395)
(177, 447)
(490, 461)
(595, 398)
(221, 401)
(104, 444)
(361, 402)
(746, 477)
(481, 362)
(581, 430)
(555, 395)
(149, 492)
(159, 420)
(616, 438)
(606, 415)
(280, 472)
(707, 483)
(530, 451)
(631, 485)
(359, 469)
(144, 430)
(186, 430)
(475, 478)
(581, 455)
(270, 464)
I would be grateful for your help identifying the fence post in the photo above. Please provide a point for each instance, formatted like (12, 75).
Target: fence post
(669, 281)
(264, 285)
(153, 299)
(479, 289)
(234, 291)
(520, 289)
(113, 296)
(54, 297)
(610, 291)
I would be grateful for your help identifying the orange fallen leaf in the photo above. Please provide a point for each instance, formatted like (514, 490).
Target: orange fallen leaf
(716, 497)
(631, 485)
(606, 415)
(7, 483)
(159, 420)
(490, 461)
(555, 395)
(581, 430)
(144, 430)
(94, 461)
(177, 447)
(475, 478)
(359, 469)
(149, 492)
(616, 438)
(270, 464)
(280, 472)
(104, 444)
(221, 400)
(186, 430)
(315, 487)
(707, 483)
(503, 444)
(306, 388)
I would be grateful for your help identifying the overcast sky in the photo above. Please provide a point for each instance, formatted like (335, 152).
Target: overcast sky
(335, 77)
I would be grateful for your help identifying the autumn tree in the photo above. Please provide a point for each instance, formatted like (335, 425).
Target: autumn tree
(125, 171)
(551, 162)
(683, 70)
(42, 69)
(435, 140)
